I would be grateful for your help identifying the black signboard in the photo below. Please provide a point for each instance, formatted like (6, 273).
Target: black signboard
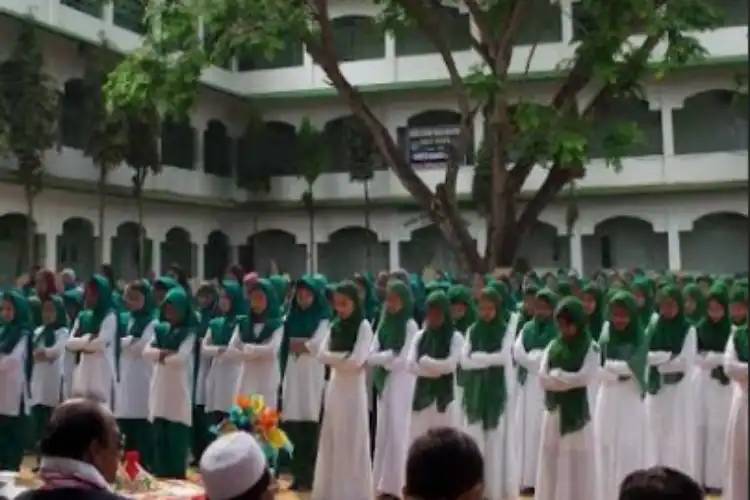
(429, 146)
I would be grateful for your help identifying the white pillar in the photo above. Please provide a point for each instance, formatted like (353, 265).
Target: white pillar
(312, 257)
(675, 255)
(394, 253)
(566, 11)
(156, 256)
(667, 129)
(575, 240)
(50, 251)
(200, 261)
(106, 249)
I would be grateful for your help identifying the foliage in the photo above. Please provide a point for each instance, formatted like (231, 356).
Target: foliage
(609, 63)
(362, 155)
(30, 108)
(312, 157)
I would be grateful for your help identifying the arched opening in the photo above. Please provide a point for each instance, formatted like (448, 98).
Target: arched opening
(427, 135)
(177, 144)
(77, 247)
(216, 255)
(429, 248)
(217, 149)
(717, 244)
(274, 250)
(625, 242)
(626, 111)
(352, 250)
(72, 129)
(358, 38)
(178, 249)
(128, 261)
(544, 248)
(711, 121)
(14, 257)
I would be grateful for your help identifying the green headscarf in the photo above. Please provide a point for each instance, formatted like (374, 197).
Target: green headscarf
(694, 292)
(539, 332)
(460, 294)
(741, 343)
(713, 336)
(738, 294)
(280, 284)
(90, 321)
(569, 356)
(371, 304)
(641, 285)
(667, 335)
(165, 283)
(47, 337)
(142, 317)
(507, 305)
(629, 345)
(391, 330)
(207, 312)
(20, 329)
(595, 320)
(435, 342)
(270, 318)
(485, 393)
(73, 299)
(525, 316)
(171, 337)
(344, 330)
(223, 326)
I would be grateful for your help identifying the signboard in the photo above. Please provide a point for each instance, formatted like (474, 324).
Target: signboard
(429, 146)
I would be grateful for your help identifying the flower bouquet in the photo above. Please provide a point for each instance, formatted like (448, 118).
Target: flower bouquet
(132, 477)
(250, 414)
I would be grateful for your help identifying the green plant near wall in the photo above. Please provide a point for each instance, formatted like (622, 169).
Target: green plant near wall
(312, 162)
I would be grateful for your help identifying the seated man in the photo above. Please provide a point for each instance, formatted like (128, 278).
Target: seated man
(660, 483)
(234, 467)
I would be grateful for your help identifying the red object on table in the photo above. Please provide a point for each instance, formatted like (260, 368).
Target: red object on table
(132, 464)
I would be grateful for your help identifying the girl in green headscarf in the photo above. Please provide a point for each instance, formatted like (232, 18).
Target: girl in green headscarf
(47, 349)
(526, 307)
(433, 358)
(394, 386)
(463, 314)
(714, 331)
(593, 305)
(527, 352)
(73, 300)
(738, 298)
(343, 469)
(486, 359)
(207, 301)
(670, 403)
(259, 339)
(620, 415)
(644, 297)
(171, 351)
(131, 396)
(567, 458)
(15, 338)
(93, 336)
(695, 303)
(303, 376)
(221, 380)
(735, 366)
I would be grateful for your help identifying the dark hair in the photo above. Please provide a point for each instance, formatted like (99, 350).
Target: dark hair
(443, 464)
(72, 428)
(182, 279)
(237, 271)
(659, 483)
(109, 273)
(256, 491)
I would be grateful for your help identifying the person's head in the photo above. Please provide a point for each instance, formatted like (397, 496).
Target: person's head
(623, 311)
(544, 304)
(234, 272)
(53, 312)
(207, 296)
(137, 293)
(444, 464)
(109, 274)
(488, 304)
(68, 278)
(570, 318)
(659, 483)
(347, 299)
(738, 298)
(175, 309)
(671, 302)
(717, 305)
(398, 297)
(234, 467)
(46, 284)
(98, 292)
(84, 430)
(438, 310)
(304, 295)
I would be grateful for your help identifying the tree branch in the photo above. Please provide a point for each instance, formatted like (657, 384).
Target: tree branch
(509, 27)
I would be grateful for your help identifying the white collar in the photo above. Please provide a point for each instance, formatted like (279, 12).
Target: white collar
(75, 467)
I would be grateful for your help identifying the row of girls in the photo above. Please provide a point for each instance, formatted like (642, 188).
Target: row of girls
(566, 386)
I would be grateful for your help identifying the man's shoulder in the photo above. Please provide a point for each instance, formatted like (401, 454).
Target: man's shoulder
(69, 494)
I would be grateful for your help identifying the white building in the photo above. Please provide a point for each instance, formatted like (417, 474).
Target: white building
(681, 201)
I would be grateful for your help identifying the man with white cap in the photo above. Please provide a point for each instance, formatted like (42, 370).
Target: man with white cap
(234, 467)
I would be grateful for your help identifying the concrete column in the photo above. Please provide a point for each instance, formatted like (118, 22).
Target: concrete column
(576, 251)
(394, 253)
(675, 254)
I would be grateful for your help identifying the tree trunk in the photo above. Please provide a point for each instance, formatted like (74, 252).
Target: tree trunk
(456, 232)
(101, 258)
(368, 243)
(31, 254)
(311, 237)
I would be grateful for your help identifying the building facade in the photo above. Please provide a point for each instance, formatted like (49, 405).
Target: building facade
(680, 201)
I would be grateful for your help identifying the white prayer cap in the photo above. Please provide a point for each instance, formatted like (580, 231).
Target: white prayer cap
(231, 465)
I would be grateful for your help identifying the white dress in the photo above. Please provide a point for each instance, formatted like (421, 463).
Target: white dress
(170, 392)
(619, 424)
(528, 408)
(343, 469)
(13, 386)
(95, 373)
(46, 376)
(736, 456)
(430, 417)
(711, 419)
(131, 397)
(672, 411)
(567, 464)
(304, 381)
(260, 365)
(497, 445)
(394, 415)
(222, 376)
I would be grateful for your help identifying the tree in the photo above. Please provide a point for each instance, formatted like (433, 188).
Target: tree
(311, 161)
(106, 130)
(518, 135)
(30, 106)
